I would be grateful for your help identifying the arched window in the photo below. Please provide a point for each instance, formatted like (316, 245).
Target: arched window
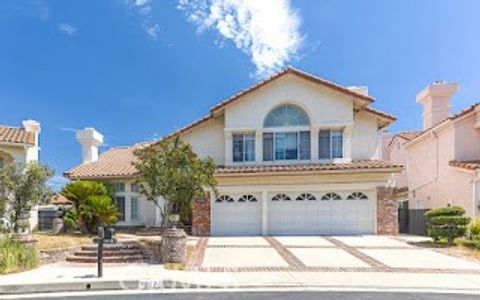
(246, 198)
(331, 196)
(224, 198)
(286, 115)
(306, 197)
(357, 196)
(280, 197)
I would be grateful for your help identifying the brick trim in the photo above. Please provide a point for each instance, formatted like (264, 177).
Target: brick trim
(387, 211)
(201, 217)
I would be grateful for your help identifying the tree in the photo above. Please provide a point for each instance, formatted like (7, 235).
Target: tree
(171, 170)
(21, 188)
(93, 205)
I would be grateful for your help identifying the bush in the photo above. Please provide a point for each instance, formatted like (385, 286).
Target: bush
(474, 229)
(93, 206)
(15, 257)
(446, 223)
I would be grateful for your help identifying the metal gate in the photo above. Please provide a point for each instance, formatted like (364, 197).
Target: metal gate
(412, 221)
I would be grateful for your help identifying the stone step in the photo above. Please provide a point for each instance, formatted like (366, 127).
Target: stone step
(114, 259)
(110, 253)
(112, 247)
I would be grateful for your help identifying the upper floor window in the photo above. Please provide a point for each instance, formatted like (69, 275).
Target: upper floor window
(330, 144)
(243, 147)
(134, 188)
(286, 145)
(117, 187)
(286, 115)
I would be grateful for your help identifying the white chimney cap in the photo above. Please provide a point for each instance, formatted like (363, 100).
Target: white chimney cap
(31, 126)
(438, 90)
(89, 136)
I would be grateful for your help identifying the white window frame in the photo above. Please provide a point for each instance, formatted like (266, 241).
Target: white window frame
(296, 130)
(331, 158)
(243, 134)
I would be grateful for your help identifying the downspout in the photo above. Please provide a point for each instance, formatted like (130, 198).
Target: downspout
(474, 192)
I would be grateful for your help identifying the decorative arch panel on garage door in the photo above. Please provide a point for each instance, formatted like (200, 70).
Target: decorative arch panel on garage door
(324, 213)
(236, 214)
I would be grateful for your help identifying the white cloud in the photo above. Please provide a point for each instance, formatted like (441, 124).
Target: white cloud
(152, 30)
(267, 30)
(67, 28)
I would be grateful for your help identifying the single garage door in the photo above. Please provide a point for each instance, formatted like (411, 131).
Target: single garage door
(305, 213)
(236, 215)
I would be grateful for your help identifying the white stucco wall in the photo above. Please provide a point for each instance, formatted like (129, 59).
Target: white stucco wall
(365, 138)
(208, 139)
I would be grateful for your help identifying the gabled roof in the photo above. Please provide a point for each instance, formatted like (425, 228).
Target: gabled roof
(16, 135)
(290, 70)
(405, 135)
(456, 116)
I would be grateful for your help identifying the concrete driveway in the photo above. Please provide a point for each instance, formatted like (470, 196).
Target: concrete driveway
(322, 254)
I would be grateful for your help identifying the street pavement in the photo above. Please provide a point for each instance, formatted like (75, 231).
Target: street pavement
(285, 295)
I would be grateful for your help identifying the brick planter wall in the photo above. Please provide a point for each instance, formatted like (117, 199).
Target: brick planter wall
(387, 211)
(201, 216)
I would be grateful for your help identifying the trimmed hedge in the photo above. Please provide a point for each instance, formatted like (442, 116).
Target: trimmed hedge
(446, 223)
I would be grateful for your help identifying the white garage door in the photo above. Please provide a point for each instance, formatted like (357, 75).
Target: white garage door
(236, 215)
(320, 213)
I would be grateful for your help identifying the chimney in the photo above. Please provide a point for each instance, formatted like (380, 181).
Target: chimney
(34, 127)
(436, 102)
(90, 139)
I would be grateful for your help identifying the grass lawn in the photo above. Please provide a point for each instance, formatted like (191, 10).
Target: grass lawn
(48, 241)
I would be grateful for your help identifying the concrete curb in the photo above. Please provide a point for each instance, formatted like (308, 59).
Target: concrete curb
(100, 285)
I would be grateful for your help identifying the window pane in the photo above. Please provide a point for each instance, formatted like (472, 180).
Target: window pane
(238, 147)
(337, 144)
(324, 144)
(304, 145)
(286, 115)
(279, 145)
(118, 187)
(134, 188)
(250, 147)
(120, 204)
(268, 146)
(133, 208)
(291, 145)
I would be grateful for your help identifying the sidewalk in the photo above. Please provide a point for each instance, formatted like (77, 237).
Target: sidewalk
(64, 277)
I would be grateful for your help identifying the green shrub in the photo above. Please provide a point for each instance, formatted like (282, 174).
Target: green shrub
(446, 223)
(15, 257)
(93, 206)
(474, 229)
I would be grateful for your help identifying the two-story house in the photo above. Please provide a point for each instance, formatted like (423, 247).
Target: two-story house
(295, 154)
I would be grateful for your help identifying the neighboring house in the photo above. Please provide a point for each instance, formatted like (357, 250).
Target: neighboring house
(442, 161)
(394, 151)
(20, 145)
(296, 154)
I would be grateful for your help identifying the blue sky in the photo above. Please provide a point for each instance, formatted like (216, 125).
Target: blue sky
(138, 69)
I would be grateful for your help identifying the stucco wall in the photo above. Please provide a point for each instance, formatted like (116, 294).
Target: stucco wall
(18, 153)
(365, 138)
(208, 139)
(398, 155)
(467, 139)
(432, 182)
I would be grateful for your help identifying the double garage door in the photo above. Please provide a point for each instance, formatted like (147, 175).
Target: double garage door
(294, 213)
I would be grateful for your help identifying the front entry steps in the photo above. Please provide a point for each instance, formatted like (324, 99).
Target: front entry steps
(121, 252)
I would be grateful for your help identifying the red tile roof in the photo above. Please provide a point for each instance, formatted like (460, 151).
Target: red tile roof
(465, 164)
(299, 73)
(114, 163)
(313, 167)
(16, 135)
